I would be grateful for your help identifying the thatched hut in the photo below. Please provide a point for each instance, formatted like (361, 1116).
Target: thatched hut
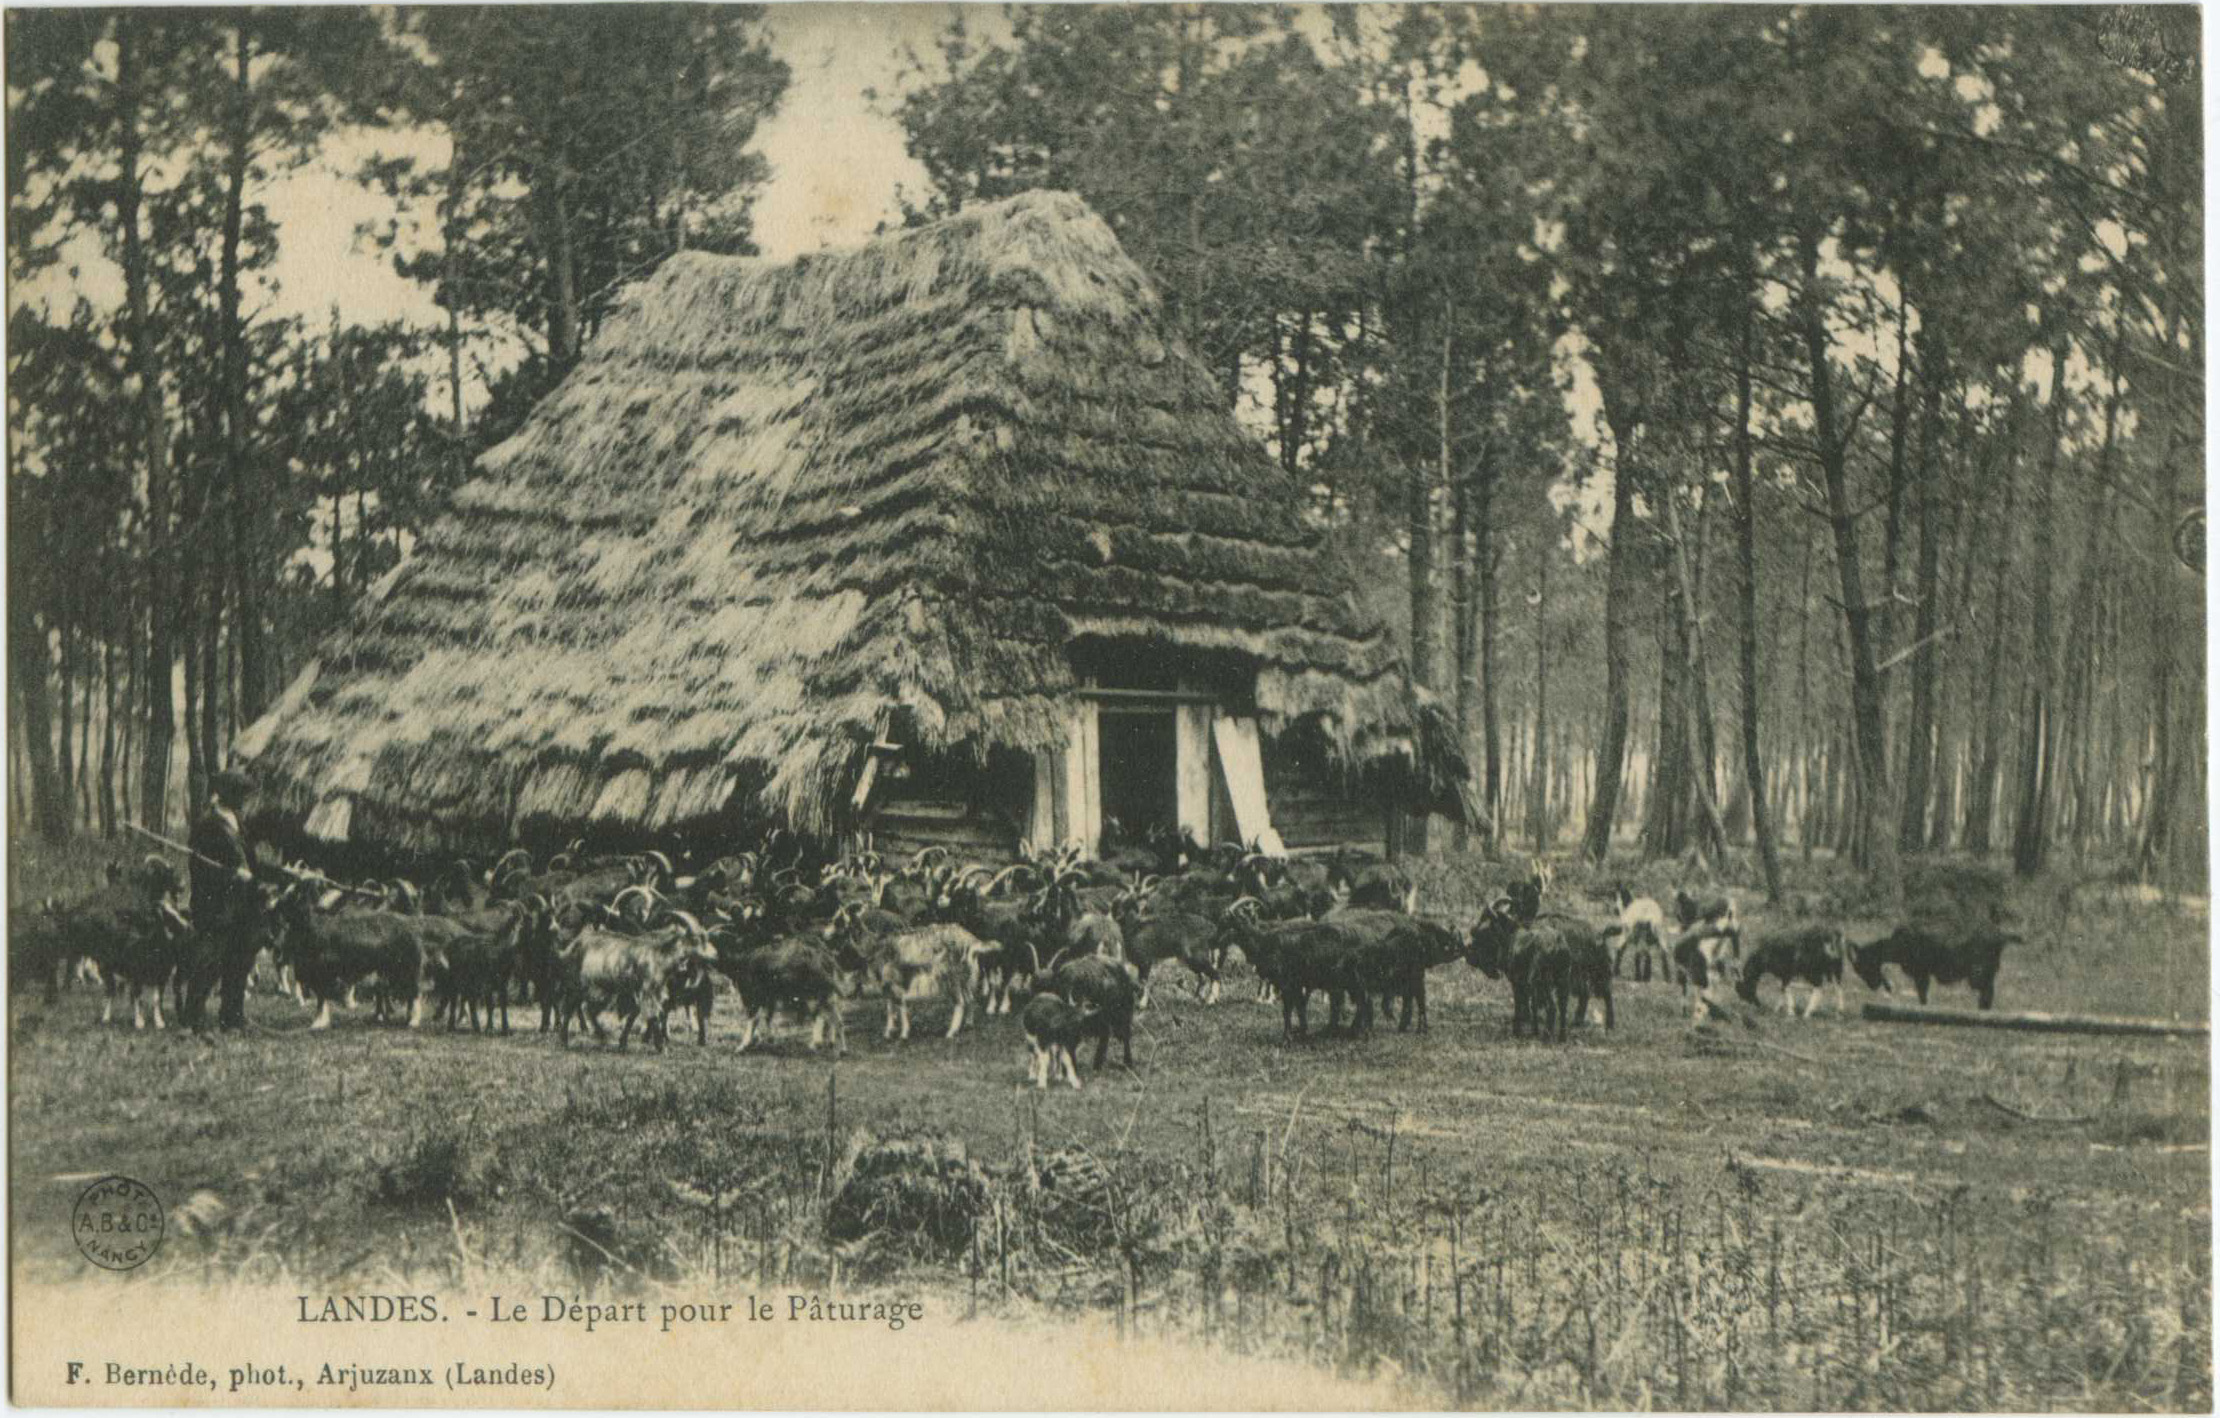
(943, 538)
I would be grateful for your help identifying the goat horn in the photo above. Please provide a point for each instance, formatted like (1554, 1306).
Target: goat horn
(507, 857)
(616, 903)
(692, 925)
(660, 860)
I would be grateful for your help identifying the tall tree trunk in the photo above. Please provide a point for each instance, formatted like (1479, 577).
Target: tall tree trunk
(108, 737)
(242, 499)
(2087, 610)
(87, 810)
(1981, 798)
(65, 639)
(1960, 536)
(1692, 638)
(1611, 747)
(2038, 726)
(197, 767)
(1467, 649)
(30, 663)
(2174, 831)
(1869, 713)
(1483, 556)
(562, 312)
(134, 647)
(146, 369)
(1745, 497)
(1924, 664)
(1665, 824)
(1808, 744)
(1892, 527)
(1537, 805)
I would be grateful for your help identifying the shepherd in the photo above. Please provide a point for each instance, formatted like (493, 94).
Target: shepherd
(225, 901)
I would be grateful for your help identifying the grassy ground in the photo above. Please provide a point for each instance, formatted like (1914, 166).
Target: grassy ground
(1766, 1213)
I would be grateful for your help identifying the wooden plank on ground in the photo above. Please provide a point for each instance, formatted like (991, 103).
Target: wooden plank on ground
(2029, 1021)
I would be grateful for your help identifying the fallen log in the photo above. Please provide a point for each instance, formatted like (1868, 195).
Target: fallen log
(2031, 1022)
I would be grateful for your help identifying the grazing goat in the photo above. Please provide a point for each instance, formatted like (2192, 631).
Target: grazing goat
(1053, 1027)
(1105, 991)
(1706, 955)
(1714, 911)
(1927, 958)
(1810, 956)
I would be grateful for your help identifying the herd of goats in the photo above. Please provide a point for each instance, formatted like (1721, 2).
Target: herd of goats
(1068, 940)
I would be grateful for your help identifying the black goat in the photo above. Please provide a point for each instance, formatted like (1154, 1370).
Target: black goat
(1927, 958)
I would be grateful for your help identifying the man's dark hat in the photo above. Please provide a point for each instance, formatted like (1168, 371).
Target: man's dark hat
(231, 785)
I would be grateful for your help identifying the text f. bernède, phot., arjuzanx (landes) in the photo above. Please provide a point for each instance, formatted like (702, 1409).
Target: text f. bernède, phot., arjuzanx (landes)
(353, 1378)
(792, 1307)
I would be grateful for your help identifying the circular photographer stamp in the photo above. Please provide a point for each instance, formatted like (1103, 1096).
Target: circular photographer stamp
(118, 1223)
(2189, 542)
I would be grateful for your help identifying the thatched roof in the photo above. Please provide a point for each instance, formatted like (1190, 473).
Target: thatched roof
(776, 499)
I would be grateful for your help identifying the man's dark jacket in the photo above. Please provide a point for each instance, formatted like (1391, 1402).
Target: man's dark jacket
(217, 891)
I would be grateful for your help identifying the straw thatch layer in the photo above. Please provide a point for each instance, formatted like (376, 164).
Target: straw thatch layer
(776, 500)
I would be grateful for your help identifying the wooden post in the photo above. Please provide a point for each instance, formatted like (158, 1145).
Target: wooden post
(1191, 740)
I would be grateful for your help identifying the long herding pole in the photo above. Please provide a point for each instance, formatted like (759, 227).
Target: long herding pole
(175, 846)
(292, 872)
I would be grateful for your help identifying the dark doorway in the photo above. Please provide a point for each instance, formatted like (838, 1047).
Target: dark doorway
(1140, 773)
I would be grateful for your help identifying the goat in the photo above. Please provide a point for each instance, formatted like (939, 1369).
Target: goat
(1297, 957)
(1641, 926)
(1715, 911)
(1053, 1027)
(800, 974)
(1927, 958)
(1381, 886)
(1015, 928)
(1539, 961)
(477, 969)
(1704, 955)
(129, 933)
(1812, 956)
(1413, 946)
(331, 952)
(600, 968)
(1104, 990)
(944, 957)
(1152, 936)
